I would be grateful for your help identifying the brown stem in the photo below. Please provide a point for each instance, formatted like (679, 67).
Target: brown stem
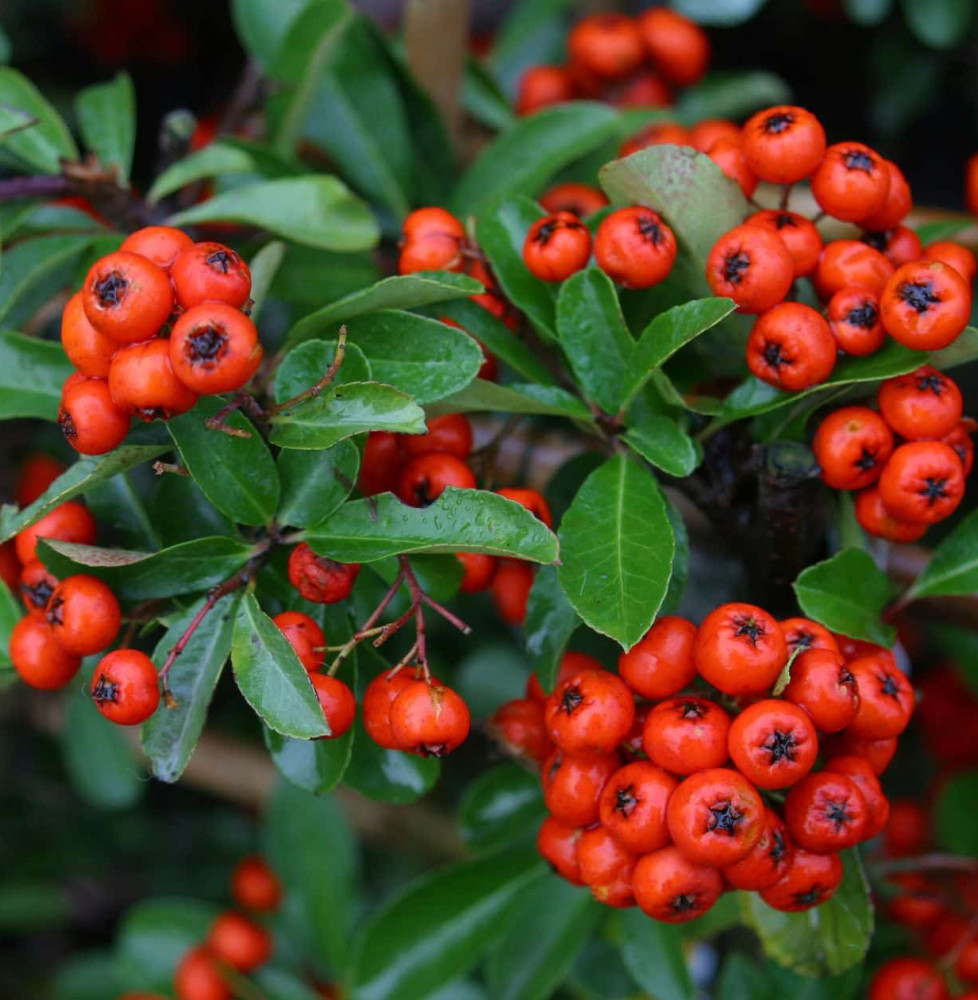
(162, 468)
(39, 186)
(314, 390)
(785, 198)
(216, 423)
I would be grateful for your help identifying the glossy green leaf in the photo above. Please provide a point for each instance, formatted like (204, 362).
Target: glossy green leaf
(225, 157)
(263, 24)
(551, 620)
(316, 211)
(617, 549)
(154, 935)
(86, 473)
(10, 613)
(170, 735)
(314, 765)
(270, 676)
(530, 33)
(311, 846)
(953, 568)
(542, 938)
(299, 66)
(654, 955)
(181, 512)
(422, 357)
(315, 483)
(439, 927)
(847, 594)
(107, 117)
(264, 266)
(483, 98)
(388, 775)
(591, 329)
(117, 506)
(547, 400)
(188, 567)
(680, 561)
(666, 334)
(825, 940)
(41, 147)
(949, 229)
(719, 12)
(521, 160)
(731, 94)
(500, 806)
(956, 815)
(404, 291)
(938, 23)
(458, 521)
(661, 441)
(501, 233)
(497, 338)
(98, 760)
(237, 474)
(32, 373)
(306, 364)
(345, 410)
(33, 271)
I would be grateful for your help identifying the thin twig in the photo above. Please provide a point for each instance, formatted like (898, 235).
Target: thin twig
(216, 423)
(785, 198)
(161, 468)
(314, 390)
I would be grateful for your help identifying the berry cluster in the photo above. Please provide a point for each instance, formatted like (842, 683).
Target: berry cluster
(884, 282)
(234, 940)
(693, 769)
(156, 324)
(633, 246)
(628, 62)
(908, 462)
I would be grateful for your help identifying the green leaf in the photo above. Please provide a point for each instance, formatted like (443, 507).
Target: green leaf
(225, 157)
(661, 441)
(732, 94)
(955, 814)
(10, 613)
(170, 734)
(938, 23)
(314, 765)
(270, 676)
(521, 160)
(593, 334)
(483, 98)
(500, 806)
(263, 24)
(422, 357)
(931, 232)
(666, 334)
(33, 271)
(181, 513)
(41, 147)
(542, 938)
(299, 65)
(868, 13)
(458, 521)
(345, 410)
(388, 775)
(439, 927)
(496, 337)
(116, 504)
(547, 400)
(311, 847)
(306, 364)
(107, 117)
(719, 12)
(617, 549)
(32, 373)
(550, 622)
(189, 567)
(531, 33)
(86, 473)
(86, 976)
(501, 234)
(97, 757)
(654, 955)
(847, 594)
(405, 291)
(237, 474)
(264, 266)
(754, 397)
(315, 483)
(155, 935)
(316, 211)
(953, 568)
(825, 940)
(680, 561)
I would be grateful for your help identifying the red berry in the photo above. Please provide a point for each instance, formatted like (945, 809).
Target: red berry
(255, 886)
(125, 687)
(318, 579)
(240, 942)
(210, 272)
(825, 688)
(590, 713)
(339, 705)
(429, 719)
(84, 615)
(38, 657)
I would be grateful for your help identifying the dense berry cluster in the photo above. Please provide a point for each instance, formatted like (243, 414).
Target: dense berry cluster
(156, 324)
(880, 282)
(742, 754)
(629, 62)
(908, 462)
